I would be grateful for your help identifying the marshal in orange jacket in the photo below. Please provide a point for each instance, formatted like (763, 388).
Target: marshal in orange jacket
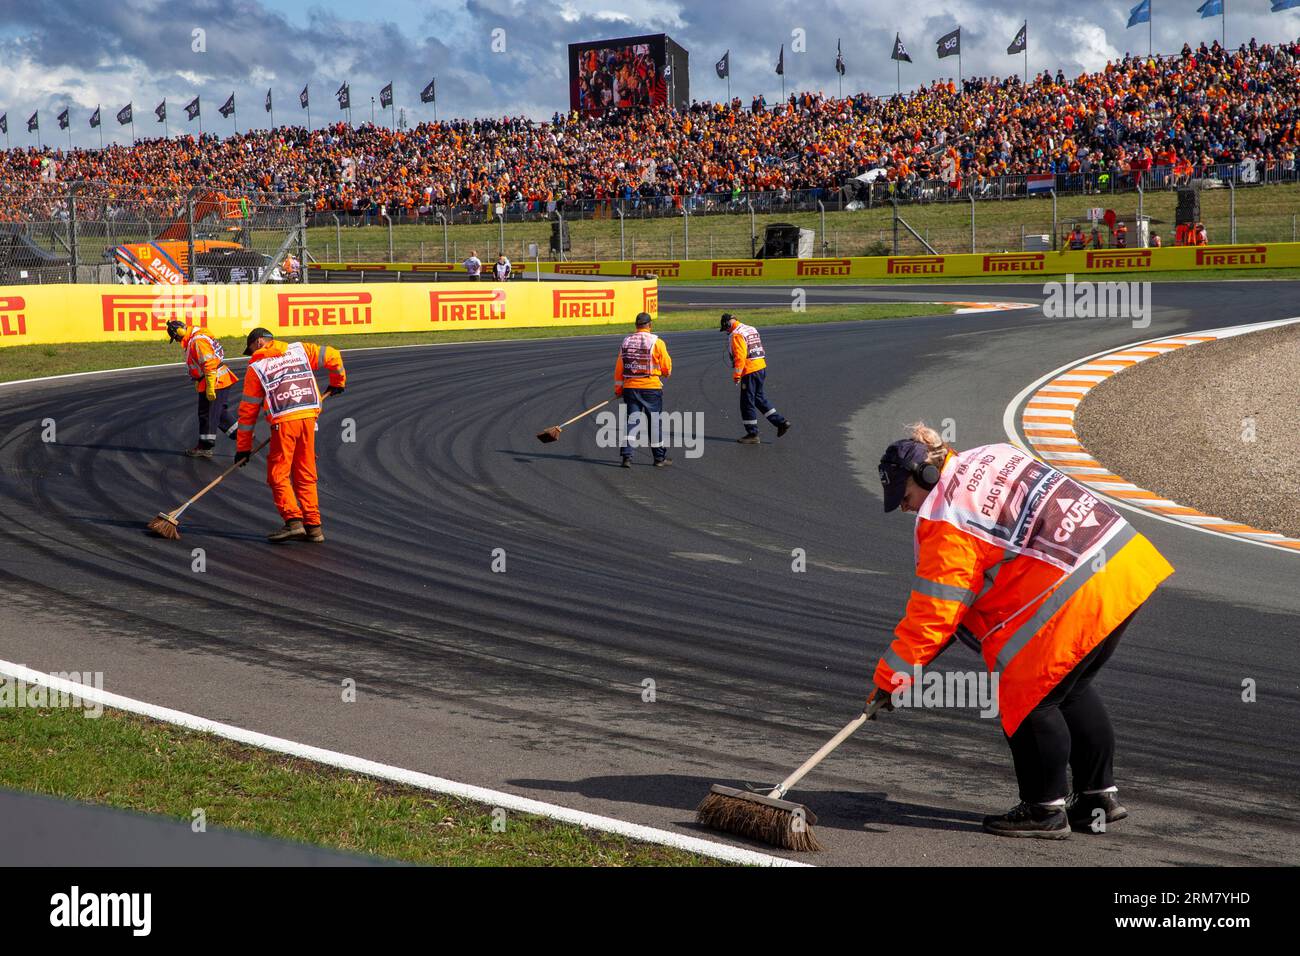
(205, 361)
(326, 357)
(1000, 575)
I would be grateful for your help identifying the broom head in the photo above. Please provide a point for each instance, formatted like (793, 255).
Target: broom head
(551, 434)
(779, 823)
(165, 526)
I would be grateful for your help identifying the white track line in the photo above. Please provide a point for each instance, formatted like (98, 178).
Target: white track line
(1137, 353)
(492, 798)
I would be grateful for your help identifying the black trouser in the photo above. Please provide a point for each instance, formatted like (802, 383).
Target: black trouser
(1069, 727)
(753, 401)
(644, 406)
(214, 416)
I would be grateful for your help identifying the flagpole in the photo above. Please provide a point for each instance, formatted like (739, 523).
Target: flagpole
(133, 125)
(167, 133)
(1150, 14)
(898, 71)
(101, 126)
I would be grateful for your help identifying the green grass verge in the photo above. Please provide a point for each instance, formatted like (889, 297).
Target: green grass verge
(1264, 214)
(125, 761)
(34, 361)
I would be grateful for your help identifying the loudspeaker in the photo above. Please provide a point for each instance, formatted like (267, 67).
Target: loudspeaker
(1189, 207)
(559, 236)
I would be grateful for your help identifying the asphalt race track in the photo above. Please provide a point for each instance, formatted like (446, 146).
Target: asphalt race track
(532, 680)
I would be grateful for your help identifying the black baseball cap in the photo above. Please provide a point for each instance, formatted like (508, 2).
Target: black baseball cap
(899, 462)
(725, 324)
(642, 319)
(253, 336)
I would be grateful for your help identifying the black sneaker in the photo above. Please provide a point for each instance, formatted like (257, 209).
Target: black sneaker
(1082, 809)
(627, 462)
(1030, 820)
(782, 428)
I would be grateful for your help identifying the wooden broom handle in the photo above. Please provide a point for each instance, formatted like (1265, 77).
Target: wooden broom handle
(585, 414)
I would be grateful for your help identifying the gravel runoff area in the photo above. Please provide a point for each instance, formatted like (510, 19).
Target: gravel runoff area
(1211, 426)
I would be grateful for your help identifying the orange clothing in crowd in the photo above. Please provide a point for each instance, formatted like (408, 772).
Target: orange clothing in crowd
(292, 411)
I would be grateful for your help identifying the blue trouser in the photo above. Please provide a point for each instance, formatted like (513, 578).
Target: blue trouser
(753, 401)
(642, 405)
(213, 416)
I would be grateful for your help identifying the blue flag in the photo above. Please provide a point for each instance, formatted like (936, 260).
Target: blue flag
(1210, 8)
(1280, 5)
(1140, 14)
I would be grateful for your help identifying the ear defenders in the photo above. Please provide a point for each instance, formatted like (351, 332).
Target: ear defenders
(926, 475)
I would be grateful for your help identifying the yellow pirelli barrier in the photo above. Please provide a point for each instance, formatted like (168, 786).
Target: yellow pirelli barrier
(35, 315)
(1009, 265)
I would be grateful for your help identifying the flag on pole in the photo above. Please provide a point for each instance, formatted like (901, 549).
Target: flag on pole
(63, 119)
(429, 94)
(950, 43)
(303, 100)
(839, 59)
(192, 109)
(1210, 8)
(124, 115)
(900, 52)
(1280, 5)
(4, 123)
(1140, 14)
(160, 111)
(1021, 43)
(723, 66)
(94, 118)
(228, 107)
(34, 122)
(386, 96)
(780, 62)
(344, 97)
(268, 101)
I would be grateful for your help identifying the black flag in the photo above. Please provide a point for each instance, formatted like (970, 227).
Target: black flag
(63, 119)
(344, 97)
(192, 110)
(1021, 42)
(723, 66)
(34, 122)
(124, 115)
(780, 62)
(303, 99)
(900, 51)
(839, 59)
(94, 118)
(268, 101)
(160, 111)
(950, 44)
(4, 122)
(386, 96)
(429, 94)
(228, 107)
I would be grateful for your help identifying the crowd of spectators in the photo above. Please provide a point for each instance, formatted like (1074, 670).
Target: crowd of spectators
(1188, 111)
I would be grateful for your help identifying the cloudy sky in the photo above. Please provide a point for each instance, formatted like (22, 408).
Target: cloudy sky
(80, 53)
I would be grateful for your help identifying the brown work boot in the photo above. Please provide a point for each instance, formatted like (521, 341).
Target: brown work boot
(314, 533)
(292, 531)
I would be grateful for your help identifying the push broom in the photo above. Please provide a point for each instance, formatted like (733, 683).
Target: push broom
(769, 817)
(553, 433)
(168, 524)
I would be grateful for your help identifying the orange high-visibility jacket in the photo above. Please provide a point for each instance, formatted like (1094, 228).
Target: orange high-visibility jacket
(319, 357)
(206, 360)
(1018, 559)
(747, 352)
(643, 356)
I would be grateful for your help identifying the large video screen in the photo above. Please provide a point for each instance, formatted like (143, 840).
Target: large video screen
(625, 74)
